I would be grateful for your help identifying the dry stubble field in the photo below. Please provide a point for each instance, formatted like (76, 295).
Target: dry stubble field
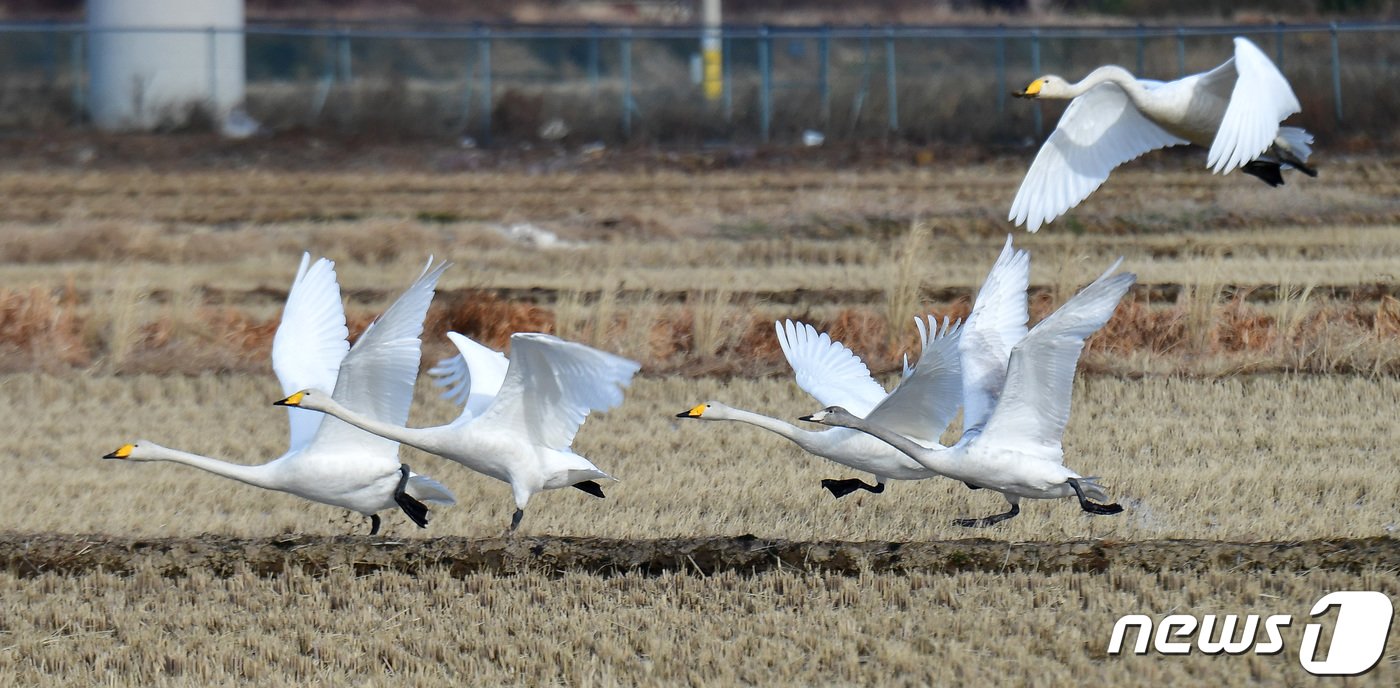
(1245, 394)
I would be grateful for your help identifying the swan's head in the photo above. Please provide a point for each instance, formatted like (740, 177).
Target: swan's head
(1049, 86)
(305, 399)
(140, 450)
(710, 410)
(831, 415)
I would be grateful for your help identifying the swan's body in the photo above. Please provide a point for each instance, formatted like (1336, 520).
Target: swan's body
(329, 461)
(1016, 451)
(1233, 110)
(926, 399)
(523, 436)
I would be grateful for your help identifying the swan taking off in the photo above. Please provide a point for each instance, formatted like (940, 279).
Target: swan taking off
(522, 435)
(926, 399)
(1017, 450)
(329, 461)
(1234, 110)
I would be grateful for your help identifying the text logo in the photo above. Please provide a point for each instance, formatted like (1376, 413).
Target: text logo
(1356, 644)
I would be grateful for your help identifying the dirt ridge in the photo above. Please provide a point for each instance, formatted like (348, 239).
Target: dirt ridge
(29, 555)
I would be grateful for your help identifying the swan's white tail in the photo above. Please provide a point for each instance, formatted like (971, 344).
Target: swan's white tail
(1296, 141)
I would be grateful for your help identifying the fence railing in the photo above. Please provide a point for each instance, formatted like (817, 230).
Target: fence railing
(614, 83)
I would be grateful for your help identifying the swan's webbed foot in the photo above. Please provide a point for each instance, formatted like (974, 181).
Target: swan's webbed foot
(1093, 507)
(592, 488)
(989, 520)
(515, 520)
(841, 488)
(374, 524)
(1267, 171)
(414, 509)
(970, 486)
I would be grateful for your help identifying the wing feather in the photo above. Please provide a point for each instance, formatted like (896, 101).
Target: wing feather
(925, 401)
(997, 323)
(1034, 405)
(310, 342)
(1099, 131)
(377, 376)
(827, 370)
(552, 385)
(473, 377)
(1259, 100)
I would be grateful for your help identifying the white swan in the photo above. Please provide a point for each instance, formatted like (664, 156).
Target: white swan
(329, 461)
(1017, 451)
(522, 437)
(926, 399)
(1234, 110)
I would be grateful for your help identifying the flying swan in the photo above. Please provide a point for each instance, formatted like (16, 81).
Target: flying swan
(925, 400)
(1234, 110)
(522, 436)
(328, 461)
(1017, 451)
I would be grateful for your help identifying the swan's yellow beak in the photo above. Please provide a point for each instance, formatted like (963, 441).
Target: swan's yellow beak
(122, 452)
(1032, 90)
(294, 400)
(696, 412)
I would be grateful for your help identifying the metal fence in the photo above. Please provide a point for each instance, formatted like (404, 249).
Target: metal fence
(778, 83)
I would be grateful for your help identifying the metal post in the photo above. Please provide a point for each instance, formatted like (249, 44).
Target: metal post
(1035, 69)
(1141, 50)
(344, 62)
(626, 47)
(1180, 52)
(1001, 69)
(891, 86)
(824, 74)
(593, 60)
(1278, 45)
(1336, 73)
(765, 94)
(483, 57)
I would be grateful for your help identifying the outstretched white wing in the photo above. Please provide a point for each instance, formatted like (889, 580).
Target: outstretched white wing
(472, 377)
(925, 401)
(552, 385)
(1099, 131)
(310, 342)
(1259, 99)
(827, 370)
(1034, 406)
(377, 376)
(996, 324)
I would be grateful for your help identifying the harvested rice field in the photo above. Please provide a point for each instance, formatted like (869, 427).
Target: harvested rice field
(1240, 405)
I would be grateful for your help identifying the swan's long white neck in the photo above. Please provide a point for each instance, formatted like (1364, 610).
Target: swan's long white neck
(263, 475)
(792, 432)
(418, 438)
(939, 459)
(1110, 74)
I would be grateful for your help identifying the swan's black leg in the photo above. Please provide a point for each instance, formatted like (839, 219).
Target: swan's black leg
(515, 520)
(841, 488)
(970, 486)
(374, 524)
(988, 521)
(591, 488)
(1092, 507)
(414, 509)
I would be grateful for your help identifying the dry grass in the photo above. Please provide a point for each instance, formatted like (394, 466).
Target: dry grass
(1225, 459)
(578, 629)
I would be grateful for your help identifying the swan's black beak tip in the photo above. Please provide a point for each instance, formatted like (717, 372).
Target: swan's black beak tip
(809, 419)
(683, 414)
